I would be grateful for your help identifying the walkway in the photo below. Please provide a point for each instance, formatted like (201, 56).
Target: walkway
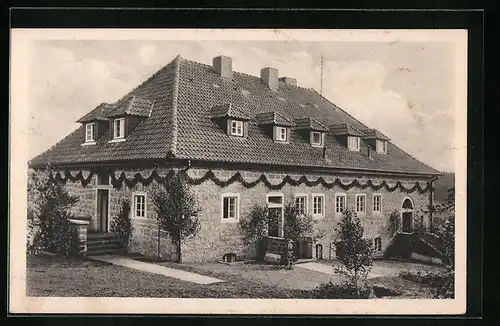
(156, 269)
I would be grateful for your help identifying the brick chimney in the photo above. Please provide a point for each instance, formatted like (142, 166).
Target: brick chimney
(223, 66)
(289, 81)
(270, 77)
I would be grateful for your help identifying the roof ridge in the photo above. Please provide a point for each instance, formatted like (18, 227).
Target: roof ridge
(175, 96)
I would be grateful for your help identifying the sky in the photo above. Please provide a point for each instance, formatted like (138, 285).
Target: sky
(404, 89)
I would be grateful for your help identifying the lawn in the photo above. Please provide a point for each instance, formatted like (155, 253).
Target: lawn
(55, 276)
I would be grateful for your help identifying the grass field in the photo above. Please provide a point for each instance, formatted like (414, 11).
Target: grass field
(62, 277)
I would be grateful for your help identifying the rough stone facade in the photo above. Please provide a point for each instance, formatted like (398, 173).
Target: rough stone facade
(217, 238)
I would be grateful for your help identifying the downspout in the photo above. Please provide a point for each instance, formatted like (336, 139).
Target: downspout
(431, 201)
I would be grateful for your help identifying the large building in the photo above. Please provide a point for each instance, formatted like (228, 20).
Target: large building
(244, 140)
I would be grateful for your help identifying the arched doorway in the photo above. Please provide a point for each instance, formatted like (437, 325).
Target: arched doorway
(407, 215)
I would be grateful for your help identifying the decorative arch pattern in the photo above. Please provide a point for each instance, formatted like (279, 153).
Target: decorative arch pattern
(131, 181)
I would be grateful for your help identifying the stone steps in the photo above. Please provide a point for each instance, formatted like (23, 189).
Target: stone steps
(104, 244)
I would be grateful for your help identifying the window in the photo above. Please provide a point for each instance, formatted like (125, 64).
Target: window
(316, 138)
(230, 207)
(89, 132)
(377, 244)
(340, 203)
(281, 134)
(119, 128)
(140, 205)
(318, 205)
(301, 203)
(361, 203)
(236, 128)
(381, 146)
(353, 143)
(377, 203)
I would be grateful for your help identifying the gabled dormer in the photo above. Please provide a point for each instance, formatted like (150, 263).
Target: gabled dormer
(275, 125)
(376, 140)
(231, 119)
(312, 130)
(96, 123)
(126, 115)
(347, 135)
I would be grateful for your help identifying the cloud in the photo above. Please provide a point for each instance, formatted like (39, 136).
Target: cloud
(146, 53)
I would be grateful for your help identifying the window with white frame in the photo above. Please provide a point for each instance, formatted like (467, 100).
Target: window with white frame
(340, 203)
(318, 205)
(353, 143)
(230, 207)
(281, 134)
(377, 203)
(301, 203)
(89, 132)
(316, 138)
(140, 205)
(236, 128)
(381, 146)
(119, 128)
(361, 203)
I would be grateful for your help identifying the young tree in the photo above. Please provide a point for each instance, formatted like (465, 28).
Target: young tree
(176, 209)
(353, 252)
(295, 227)
(121, 225)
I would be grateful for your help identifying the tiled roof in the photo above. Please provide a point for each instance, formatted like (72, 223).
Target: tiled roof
(132, 105)
(99, 113)
(228, 110)
(344, 128)
(180, 126)
(273, 118)
(309, 124)
(374, 134)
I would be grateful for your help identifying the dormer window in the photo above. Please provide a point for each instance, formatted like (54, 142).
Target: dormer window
(281, 134)
(119, 128)
(353, 143)
(381, 146)
(90, 132)
(317, 138)
(236, 128)
(376, 140)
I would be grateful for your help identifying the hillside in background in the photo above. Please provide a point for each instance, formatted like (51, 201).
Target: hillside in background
(442, 185)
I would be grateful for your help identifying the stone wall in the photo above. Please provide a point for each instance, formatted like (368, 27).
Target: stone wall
(217, 238)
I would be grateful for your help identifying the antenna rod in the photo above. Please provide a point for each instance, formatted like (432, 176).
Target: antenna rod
(321, 87)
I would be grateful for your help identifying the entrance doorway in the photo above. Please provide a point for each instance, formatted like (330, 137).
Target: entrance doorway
(319, 251)
(102, 210)
(275, 211)
(407, 216)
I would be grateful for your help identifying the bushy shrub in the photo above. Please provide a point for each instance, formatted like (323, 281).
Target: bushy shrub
(121, 225)
(253, 228)
(343, 291)
(49, 206)
(442, 283)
